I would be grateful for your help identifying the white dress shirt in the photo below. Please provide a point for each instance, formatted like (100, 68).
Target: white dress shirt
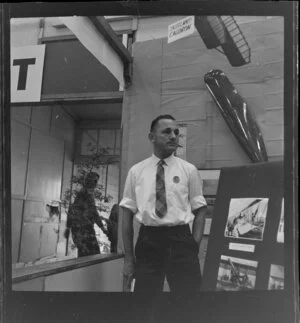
(183, 191)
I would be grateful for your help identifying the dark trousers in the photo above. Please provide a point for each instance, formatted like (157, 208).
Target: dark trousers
(169, 252)
(86, 242)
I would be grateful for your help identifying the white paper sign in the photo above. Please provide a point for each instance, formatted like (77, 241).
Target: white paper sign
(207, 226)
(132, 285)
(181, 28)
(27, 65)
(241, 247)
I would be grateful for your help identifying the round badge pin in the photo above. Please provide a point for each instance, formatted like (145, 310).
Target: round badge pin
(176, 179)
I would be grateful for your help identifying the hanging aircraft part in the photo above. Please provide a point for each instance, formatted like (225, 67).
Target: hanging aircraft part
(237, 115)
(224, 34)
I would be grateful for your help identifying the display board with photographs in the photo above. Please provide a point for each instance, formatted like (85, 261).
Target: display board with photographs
(245, 247)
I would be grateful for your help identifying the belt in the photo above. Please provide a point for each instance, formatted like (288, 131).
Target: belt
(164, 228)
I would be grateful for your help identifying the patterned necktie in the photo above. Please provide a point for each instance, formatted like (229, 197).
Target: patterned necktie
(161, 201)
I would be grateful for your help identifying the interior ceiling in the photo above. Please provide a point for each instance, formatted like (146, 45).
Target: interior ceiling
(95, 111)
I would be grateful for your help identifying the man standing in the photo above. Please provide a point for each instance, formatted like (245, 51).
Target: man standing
(82, 216)
(164, 193)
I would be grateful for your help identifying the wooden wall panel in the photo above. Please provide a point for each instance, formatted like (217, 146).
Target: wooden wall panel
(16, 224)
(21, 113)
(20, 136)
(146, 97)
(30, 242)
(39, 240)
(152, 28)
(41, 117)
(45, 171)
(50, 168)
(193, 42)
(253, 89)
(274, 117)
(275, 149)
(262, 27)
(268, 55)
(197, 139)
(182, 57)
(271, 132)
(63, 127)
(39, 231)
(257, 73)
(49, 239)
(66, 184)
(180, 85)
(266, 41)
(36, 212)
(183, 115)
(188, 69)
(184, 100)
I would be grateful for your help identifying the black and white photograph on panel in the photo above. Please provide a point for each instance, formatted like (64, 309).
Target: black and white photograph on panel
(247, 218)
(276, 278)
(280, 232)
(236, 274)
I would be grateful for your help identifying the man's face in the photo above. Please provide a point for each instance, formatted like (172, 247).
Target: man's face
(165, 136)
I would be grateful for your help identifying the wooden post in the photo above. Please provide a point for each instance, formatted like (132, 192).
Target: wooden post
(5, 235)
(1, 182)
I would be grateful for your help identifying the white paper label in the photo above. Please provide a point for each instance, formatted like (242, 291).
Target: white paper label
(242, 247)
(132, 285)
(207, 226)
(181, 28)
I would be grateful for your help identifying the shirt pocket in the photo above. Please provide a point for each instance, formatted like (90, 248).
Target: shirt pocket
(179, 192)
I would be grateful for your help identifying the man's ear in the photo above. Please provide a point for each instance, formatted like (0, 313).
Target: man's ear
(151, 136)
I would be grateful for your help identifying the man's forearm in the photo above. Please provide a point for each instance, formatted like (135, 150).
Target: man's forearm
(127, 233)
(199, 223)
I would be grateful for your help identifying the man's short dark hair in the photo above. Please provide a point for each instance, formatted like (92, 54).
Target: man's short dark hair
(162, 116)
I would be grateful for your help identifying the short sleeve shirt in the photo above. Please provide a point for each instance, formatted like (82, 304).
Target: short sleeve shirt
(183, 191)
